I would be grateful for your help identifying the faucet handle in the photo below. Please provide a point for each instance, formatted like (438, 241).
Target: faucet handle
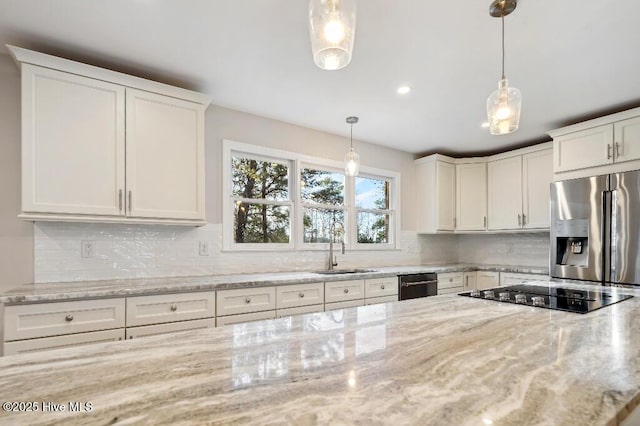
(335, 260)
(343, 247)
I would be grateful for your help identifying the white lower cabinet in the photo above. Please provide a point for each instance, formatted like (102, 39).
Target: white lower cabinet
(341, 291)
(381, 299)
(164, 308)
(291, 296)
(170, 327)
(245, 300)
(309, 309)
(378, 287)
(511, 278)
(343, 305)
(236, 319)
(469, 281)
(59, 342)
(450, 282)
(487, 279)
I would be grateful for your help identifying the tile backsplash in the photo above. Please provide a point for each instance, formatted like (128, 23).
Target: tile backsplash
(531, 249)
(130, 251)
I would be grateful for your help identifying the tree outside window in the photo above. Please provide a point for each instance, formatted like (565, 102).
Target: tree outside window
(373, 216)
(322, 195)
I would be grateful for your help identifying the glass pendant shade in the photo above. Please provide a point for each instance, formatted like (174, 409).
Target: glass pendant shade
(351, 163)
(503, 109)
(332, 26)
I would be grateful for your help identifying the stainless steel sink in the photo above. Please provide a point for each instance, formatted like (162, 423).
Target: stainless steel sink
(344, 271)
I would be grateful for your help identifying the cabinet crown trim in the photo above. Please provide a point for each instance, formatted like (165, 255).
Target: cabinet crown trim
(600, 121)
(21, 55)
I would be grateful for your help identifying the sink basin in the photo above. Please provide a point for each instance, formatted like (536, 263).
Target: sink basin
(344, 271)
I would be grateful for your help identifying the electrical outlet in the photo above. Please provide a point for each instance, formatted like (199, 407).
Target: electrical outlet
(86, 248)
(204, 248)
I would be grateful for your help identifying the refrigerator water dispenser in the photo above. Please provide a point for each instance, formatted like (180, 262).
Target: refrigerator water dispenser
(572, 242)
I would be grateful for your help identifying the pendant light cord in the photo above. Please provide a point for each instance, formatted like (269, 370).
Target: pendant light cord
(502, 17)
(351, 135)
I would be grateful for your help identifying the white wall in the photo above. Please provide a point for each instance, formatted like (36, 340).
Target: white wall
(16, 236)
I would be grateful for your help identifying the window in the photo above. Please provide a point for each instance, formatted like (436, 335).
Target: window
(277, 199)
(373, 215)
(261, 197)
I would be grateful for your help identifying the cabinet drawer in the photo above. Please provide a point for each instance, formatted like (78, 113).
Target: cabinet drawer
(172, 327)
(381, 299)
(343, 305)
(237, 319)
(245, 300)
(377, 287)
(53, 319)
(299, 310)
(450, 290)
(487, 280)
(59, 342)
(449, 280)
(145, 310)
(508, 278)
(291, 296)
(341, 291)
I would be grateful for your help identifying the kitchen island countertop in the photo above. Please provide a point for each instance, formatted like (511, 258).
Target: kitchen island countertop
(58, 291)
(434, 361)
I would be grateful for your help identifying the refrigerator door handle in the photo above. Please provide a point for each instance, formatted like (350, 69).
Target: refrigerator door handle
(611, 253)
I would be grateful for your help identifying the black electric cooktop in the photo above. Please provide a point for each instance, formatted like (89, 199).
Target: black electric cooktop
(558, 298)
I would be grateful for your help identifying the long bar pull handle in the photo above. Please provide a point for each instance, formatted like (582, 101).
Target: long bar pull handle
(617, 149)
(524, 219)
(485, 221)
(519, 220)
(120, 199)
(130, 203)
(609, 150)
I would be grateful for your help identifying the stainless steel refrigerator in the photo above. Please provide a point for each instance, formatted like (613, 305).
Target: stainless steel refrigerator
(595, 229)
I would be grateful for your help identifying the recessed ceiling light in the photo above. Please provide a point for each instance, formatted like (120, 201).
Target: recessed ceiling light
(485, 125)
(403, 90)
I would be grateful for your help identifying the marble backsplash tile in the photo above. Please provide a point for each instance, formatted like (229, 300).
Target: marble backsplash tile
(530, 249)
(130, 251)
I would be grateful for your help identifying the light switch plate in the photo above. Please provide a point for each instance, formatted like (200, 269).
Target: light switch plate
(204, 248)
(86, 249)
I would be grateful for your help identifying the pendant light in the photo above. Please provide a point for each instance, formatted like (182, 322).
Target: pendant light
(352, 159)
(332, 26)
(503, 105)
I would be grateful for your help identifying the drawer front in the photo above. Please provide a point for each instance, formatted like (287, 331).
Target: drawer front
(341, 291)
(237, 319)
(485, 279)
(515, 278)
(59, 342)
(291, 296)
(55, 319)
(158, 309)
(450, 290)
(343, 305)
(382, 299)
(244, 301)
(172, 327)
(299, 310)
(449, 280)
(378, 287)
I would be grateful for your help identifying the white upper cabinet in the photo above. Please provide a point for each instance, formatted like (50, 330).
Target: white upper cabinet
(609, 144)
(471, 197)
(505, 193)
(537, 175)
(165, 157)
(102, 146)
(73, 143)
(436, 186)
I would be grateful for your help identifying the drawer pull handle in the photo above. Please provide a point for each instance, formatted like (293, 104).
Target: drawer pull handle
(382, 287)
(301, 295)
(173, 308)
(68, 318)
(247, 300)
(346, 290)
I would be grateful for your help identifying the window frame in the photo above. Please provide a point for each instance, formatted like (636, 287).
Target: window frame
(296, 162)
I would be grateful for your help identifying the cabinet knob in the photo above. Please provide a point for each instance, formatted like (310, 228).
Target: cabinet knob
(382, 287)
(301, 295)
(68, 318)
(346, 290)
(173, 308)
(247, 300)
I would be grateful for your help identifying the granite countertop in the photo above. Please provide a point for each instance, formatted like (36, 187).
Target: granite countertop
(48, 292)
(432, 361)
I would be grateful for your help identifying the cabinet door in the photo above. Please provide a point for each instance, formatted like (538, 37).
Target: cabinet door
(72, 143)
(469, 281)
(238, 319)
(537, 175)
(505, 193)
(446, 200)
(486, 280)
(172, 327)
(627, 140)
(60, 342)
(583, 149)
(165, 157)
(471, 197)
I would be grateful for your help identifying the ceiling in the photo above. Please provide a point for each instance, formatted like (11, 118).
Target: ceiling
(571, 59)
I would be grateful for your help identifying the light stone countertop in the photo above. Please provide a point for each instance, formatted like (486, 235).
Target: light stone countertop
(57, 291)
(442, 360)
